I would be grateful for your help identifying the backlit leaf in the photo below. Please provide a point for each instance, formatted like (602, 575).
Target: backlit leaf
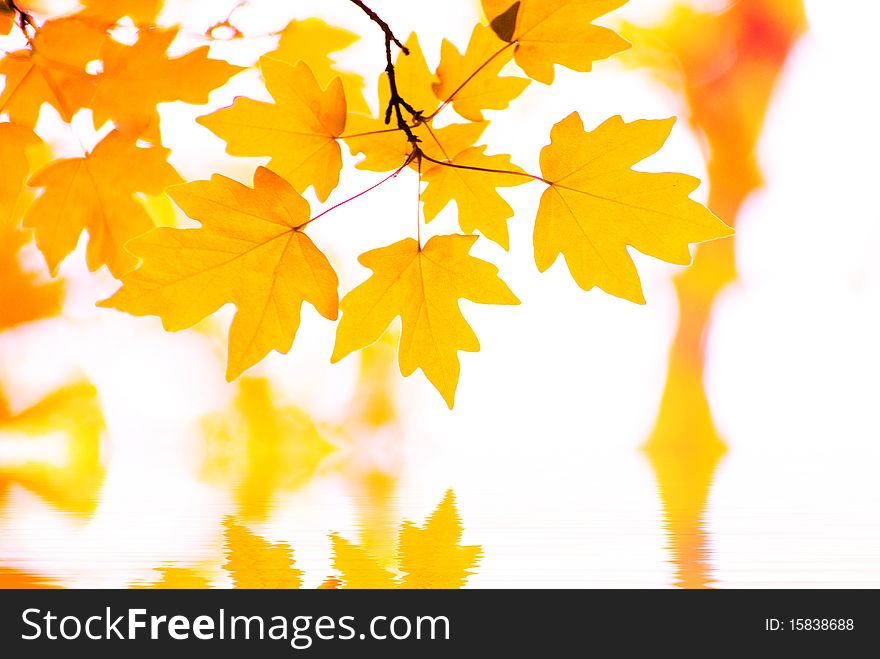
(473, 80)
(548, 32)
(298, 131)
(250, 251)
(98, 193)
(53, 71)
(596, 205)
(16, 147)
(135, 78)
(312, 41)
(422, 286)
(480, 207)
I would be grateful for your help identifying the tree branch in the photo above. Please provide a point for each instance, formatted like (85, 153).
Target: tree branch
(24, 18)
(396, 104)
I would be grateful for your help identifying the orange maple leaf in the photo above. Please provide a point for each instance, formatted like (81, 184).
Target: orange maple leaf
(98, 193)
(136, 78)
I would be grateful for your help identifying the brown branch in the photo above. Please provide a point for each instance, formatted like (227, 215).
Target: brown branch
(24, 19)
(396, 104)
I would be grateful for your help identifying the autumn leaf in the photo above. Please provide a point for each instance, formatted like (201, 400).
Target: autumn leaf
(429, 556)
(480, 207)
(250, 251)
(135, 78)
(52, 71)
(255, 563)
(98, 193)
(298, 131)
(548, 32)
(596, 205)
(422, 286)
(473, 80)
(312, 41)
(261, 449)
(141, 12)
(23, 297)
(73, 412)
(17, 144)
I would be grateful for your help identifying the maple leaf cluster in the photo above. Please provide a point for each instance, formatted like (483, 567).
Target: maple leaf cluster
(252, 248)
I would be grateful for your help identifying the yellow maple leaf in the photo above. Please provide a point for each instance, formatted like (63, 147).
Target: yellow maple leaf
(17, 145)
(52, 71)
(473, 80)
(422, 286)
(97, 193)
(312, 41)
(256, 563)
(23, 297)
(480, 207)
(596, 205)
(430, 556)
(250, 251)
(135, 78)
(141, 12)
(548, 32)
(298, 131)
(262, 449)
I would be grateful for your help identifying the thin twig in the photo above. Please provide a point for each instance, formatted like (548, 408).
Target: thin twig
(396, 104)
(359, 194)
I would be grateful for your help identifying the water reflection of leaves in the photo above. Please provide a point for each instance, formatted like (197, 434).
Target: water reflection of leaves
(178, 578)
(74, 411)
(428, 557)
(253, 562)
(725, 66)
(260, 449)
(14, 579)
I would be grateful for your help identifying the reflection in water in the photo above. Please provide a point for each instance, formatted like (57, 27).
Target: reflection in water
(73, 484)
(376, 442)
(11, 579)
(259, 450)
(178, 577)
(726, 66)
(253, 562)
(427, 556)
(684, 477)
